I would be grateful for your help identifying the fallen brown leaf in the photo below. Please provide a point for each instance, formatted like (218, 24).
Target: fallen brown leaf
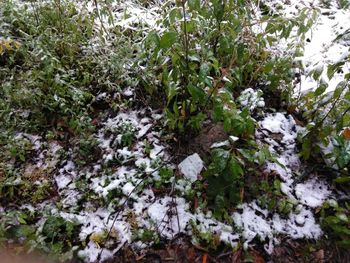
(346, 133)
(257, 257)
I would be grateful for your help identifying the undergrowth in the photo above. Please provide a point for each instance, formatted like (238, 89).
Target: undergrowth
(63, 69)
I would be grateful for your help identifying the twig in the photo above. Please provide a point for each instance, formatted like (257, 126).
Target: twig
(100, 18)
(185, 35)
(174, 201)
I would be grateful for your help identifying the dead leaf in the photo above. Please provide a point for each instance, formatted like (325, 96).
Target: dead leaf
(257, 257)
(190, 254)
(319, 256)
(236, 256)
(241, 193)
(195, 203)
(346, 133)
(205, 258)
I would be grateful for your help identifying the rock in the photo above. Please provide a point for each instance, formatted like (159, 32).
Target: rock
(191, 167)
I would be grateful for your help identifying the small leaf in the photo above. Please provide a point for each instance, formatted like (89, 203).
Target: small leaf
(219, 160)
(152, 37)
(268, 67)
(320, 90)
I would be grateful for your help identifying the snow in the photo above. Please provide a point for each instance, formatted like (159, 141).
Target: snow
(220, 144)
(312, 192)
(191, 167)
(299, 224)
(233, 139)
(66, 175)
(285, 149)
(170, 215)
(251, 99)
(91, 252)
(122, 168)
(322, 50)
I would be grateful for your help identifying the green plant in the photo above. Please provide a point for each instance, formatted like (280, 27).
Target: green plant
(211, 45)
(327, 112)
(224, 176)
(16, 189)
(53, 67)
(128, 133)
(270, 196)
(335, 220)
(18, 226)
(19, 148)
(206, 239)
(165, 174)
(87, 150)
(146, 235)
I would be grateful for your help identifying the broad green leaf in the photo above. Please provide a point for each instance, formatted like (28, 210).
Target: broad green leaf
(152, 37)
(320, 89)
(219, 159)
(196, 92)
(235, 168)
(339, 89)
(168, 39)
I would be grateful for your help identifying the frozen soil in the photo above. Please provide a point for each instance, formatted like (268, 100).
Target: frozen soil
(124, 189)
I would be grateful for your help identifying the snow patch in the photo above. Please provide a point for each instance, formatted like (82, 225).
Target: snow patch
(312, 192)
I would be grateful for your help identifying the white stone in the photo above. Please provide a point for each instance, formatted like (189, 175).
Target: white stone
(191, 167)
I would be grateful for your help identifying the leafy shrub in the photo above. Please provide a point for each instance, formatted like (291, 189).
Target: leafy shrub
(224, 177)
(336, 221)
(328, 135)
(207, 47)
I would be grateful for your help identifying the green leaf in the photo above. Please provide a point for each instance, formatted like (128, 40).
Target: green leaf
(196, 92)
(166, 173)
(194, 5)
(339, 89)
(219, 160)
(320, 89)
(152, 37)
(268, 67)
(235, 168)
(217, 111)
(24, 231)
(247, 154)
(306, 148)
(168, 39)
(334, 68)
(52, 226)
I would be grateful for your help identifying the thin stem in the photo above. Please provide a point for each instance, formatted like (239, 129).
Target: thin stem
(185, 37)
(100, 18)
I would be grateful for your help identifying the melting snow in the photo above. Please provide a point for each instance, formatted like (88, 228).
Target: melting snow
(312, 192)
(251, 99)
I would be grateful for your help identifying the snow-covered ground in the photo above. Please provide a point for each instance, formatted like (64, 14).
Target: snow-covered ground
(121, 178)
(169, 214)
(321, 46)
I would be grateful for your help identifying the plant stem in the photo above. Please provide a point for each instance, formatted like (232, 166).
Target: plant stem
(183, 2)
(100, 18)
